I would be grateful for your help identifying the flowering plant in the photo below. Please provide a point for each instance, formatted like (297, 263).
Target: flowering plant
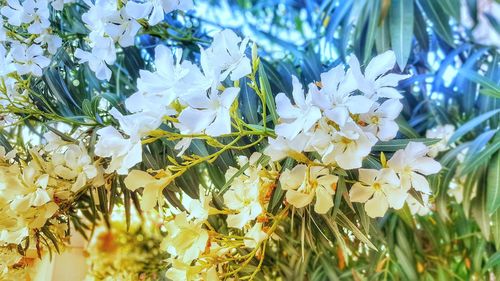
(136, 105)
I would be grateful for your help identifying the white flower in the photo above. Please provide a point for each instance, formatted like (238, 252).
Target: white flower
(122, 28)
(295, 118)
(335, 97)
(281, 148)
(15, 13)
(379, 190)
(185, 239)
(53, 42)
(303, 184)
(153, 187)
(242, 196)
(58, 5)
(443, 132)
(380, 119)
(97, 16)
(124, 153)
(6, 156)
(224, 57)
(411, 164)
(102, 54)
(210, 114)
(197, 208)
(255, 236)
(374, 83)
(171, 79)
(54, 141)
(136, 125)
(76, 164)
(154, 10)
(29, 59)
(351, 145)
(417, 208)
(39, 12)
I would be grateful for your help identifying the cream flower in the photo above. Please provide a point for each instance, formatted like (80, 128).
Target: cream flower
(303, 184)
(243, 196)
(336, 99)
(443, 132)
(255, 236)
(374, 83)
(380, 119)
(281, 148)
(210, 114)
(74, 164)
(295, 118)
(185, 239)
(379, 190)
(226, 57)
(153, 187)
(411, 164)
(350, 147)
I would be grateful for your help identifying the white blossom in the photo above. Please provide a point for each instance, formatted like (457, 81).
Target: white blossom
(411, 164)
(153, 187)
(29, 59)
(374, 83)
(226, 56)
(295, 118)
(379, 190)
(303, 184)
(336, 99)
(255, 236)
(185, 239)
(442, 132)
(209, 114)
(154, 10)
(380, 119)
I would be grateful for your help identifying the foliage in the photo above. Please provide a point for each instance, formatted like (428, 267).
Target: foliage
(454, 80)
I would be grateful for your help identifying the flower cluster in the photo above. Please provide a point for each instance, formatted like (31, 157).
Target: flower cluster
(36, 194)
(193, 98)
(118, 22)
(302, 153)
(341, 120)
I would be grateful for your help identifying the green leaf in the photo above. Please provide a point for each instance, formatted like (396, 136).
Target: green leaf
(490, 93)
(404, 261)
(440, 20)
(452, 7)
(493, 185)
(394, 145)
(406, 129)
(480, 214)
(401, 27)
(266, 91)
(495, 230)
(370, 31)
(481, 158)
(382, 38)
(493, 261)
(467, 127)
(485, 82)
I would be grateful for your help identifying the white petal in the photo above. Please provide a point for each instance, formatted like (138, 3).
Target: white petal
(380, 65)
(360, 193)
(299, 199)
(137, 179)
(324, 200)
(377, 206)
(426, 166)
(420, 183)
